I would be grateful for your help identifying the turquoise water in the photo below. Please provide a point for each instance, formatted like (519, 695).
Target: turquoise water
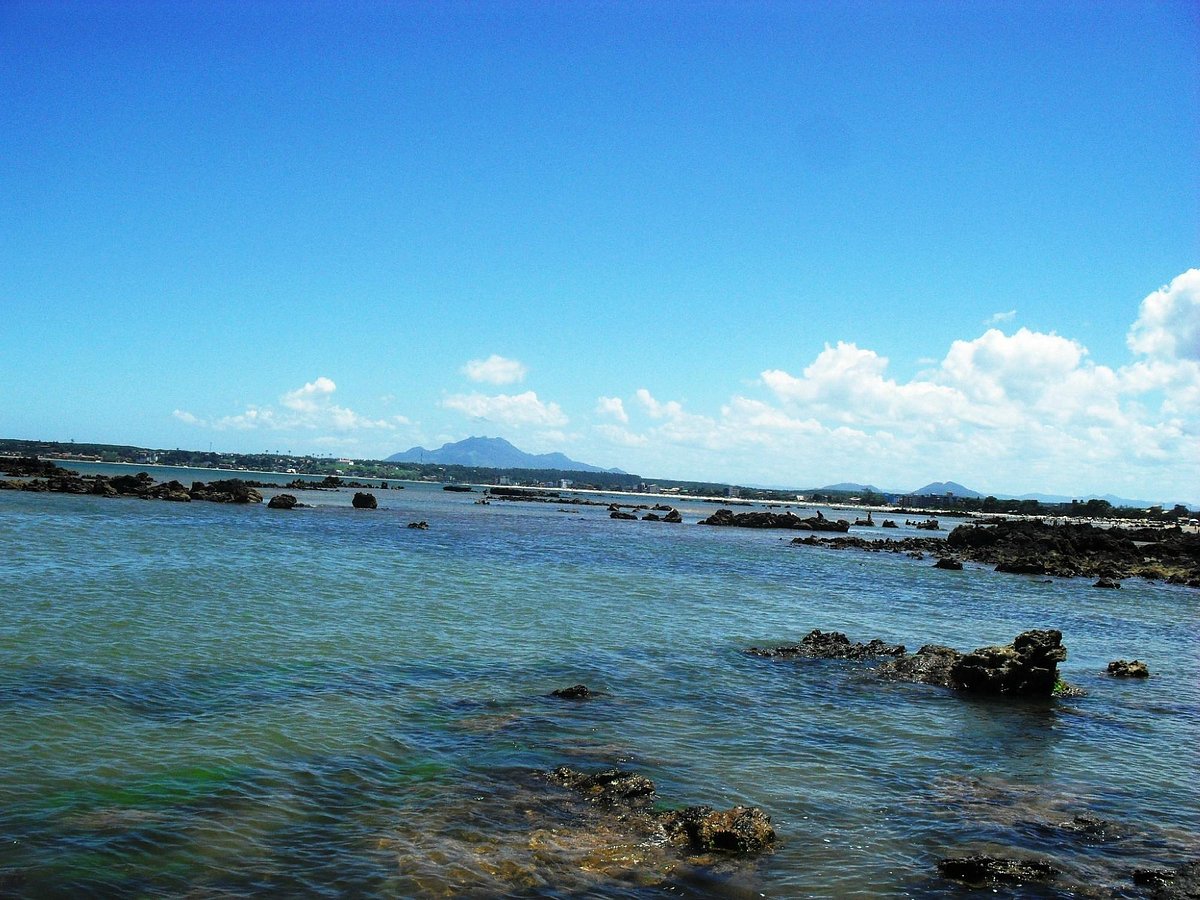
(213, 700)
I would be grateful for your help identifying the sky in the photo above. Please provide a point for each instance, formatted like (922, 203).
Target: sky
(753, 242)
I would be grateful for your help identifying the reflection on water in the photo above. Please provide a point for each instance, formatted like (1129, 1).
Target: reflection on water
(234, 701)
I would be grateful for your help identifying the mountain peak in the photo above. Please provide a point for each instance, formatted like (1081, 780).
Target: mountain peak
(493, 453)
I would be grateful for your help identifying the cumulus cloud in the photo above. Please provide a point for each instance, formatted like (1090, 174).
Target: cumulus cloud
(508, 409)
(1025, 410)
(997, 318)
(307, 408)
(186, 417)
(495, 370)
(1168, 322)
(612, 407)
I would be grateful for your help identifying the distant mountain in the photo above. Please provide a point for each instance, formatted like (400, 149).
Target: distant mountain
(493, 453)
(850, 486)
(946, 487)
(1115, 501)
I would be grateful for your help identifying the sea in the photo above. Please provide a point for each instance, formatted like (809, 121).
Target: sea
(206, 700)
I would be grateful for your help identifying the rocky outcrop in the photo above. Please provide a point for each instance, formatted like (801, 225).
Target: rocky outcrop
(819, 644)
(617, 514)
(282, 501)
(364, 501)
(1036, 548)
(575, 692)
(32, 467)
(1108, 584)
(1028, 667)
(609, 786)
(419, 526)
(1119, 668)
(728, 518)
(231, 490)
(694, 830)
(1171, 884)
(744, 830)
(982, 871)
(673, 517)
(950, 563)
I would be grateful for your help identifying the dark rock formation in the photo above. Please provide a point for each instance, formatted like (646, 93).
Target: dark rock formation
(282, 501)
(932, 664)
(608, 786)
(701, 829)
(575, 692)
(979, 871)
(364, 501)
(673, 517)
(420, 526)
(818, 644)
(888, 523)
(728, 518)
(1027, 667)
(230, 490)
(651, 517)
(1108, 583)
(948, 562)
(1171, 884)
(929, 525)
(32, 467)
(1121, 669)
(617, 514)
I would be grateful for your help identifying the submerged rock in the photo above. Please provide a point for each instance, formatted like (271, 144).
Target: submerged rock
(575, 692)
(1119, 668)
(1108, 583)
(819, 644)
(701, 829)
(982, 870)
(948, 562)
(1171, 884)
(932, 664)
(608, 786)
(420, 526)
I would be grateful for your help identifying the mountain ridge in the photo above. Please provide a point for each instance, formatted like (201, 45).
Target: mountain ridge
(494, 453)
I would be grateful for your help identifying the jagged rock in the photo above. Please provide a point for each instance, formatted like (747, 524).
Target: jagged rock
(1026, 667)
(1121, 669)
(727, 518)
(609, 786)
(978, 871)
(282, 501)
(420, 526)
(617, 514)
(819, 644)
(651, 517)
(575, 692)
(948, 562)
(673, 517)
(743, 830)
(932, 664)
(888, 523)
(231, 490)
(364, 501)
(1109, 583)
(171, 490)
(1171, 884)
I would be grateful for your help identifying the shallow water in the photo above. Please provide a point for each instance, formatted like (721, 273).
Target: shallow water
(217, 700)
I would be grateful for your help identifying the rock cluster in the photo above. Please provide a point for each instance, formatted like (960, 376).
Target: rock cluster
(1028, 667)
(728, 518)
(981, 871)
(819, 644)
(694, 830)
(1068, 550)
(1120, 668)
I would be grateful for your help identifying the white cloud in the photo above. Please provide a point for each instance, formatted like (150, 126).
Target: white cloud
(999, 317)
(495, 370)
(1168, 323)
(1026, 411)
(508, 409)
(307, 408)
(184, 416)
(612, 407)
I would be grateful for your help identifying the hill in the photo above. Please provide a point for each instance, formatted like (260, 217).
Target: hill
(493, 453)
(850, 486)
(947, 487)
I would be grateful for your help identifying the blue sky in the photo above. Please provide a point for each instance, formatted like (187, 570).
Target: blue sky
(785, 243)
